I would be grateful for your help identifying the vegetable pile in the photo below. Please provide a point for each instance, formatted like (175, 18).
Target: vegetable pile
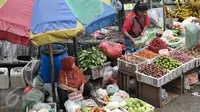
(146, 54)
(153, 70)
(174, 40)
(90, 58)
(90, 109)
(157, 44)
(167, 62)
(195, 52)
(180, 56)
(131, 58)
(134, 105)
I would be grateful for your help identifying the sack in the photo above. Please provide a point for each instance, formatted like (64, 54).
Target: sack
(192, 32)
(75, 96)
(111, 49)
(71, 106)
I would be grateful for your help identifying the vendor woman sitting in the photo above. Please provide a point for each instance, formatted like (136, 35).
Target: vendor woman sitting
(71, 79)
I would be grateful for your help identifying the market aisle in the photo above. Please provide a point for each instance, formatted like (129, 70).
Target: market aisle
(184, 103)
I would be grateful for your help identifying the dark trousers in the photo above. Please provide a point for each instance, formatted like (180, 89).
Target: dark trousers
(63, 95)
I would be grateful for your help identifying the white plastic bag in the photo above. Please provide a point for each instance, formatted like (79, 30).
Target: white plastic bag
(116, 4)
(168, 34)
(71, 106)
(112, 105)
(122, 94)
(156, 16)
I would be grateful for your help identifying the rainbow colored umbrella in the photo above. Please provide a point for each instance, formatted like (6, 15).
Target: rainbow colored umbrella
(48, 21)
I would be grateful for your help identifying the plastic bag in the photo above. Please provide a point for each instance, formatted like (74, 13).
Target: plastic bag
(192, 32)
(115, 98)
(111, 49)
(101, 93)
(116, 4)
(168, 34)
(38, 82)
(112, 105)
(71, 106)
(186, 83)
(164, 94)
(112, 89)
(122, 94)
(156, 16)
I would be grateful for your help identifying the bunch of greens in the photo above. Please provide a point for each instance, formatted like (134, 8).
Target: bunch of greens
(90, 58)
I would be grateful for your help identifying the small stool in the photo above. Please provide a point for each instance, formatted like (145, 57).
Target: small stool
(4, 78)
(16, 77)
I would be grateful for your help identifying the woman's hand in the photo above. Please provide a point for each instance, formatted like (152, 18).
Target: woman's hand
(133, 41)
(75, 90)
(142, 34)
(82, 88)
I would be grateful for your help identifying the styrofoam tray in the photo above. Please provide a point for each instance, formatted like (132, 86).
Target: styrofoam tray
(152, 107)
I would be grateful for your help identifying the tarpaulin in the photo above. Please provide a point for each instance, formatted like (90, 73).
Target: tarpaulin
(49, 15)
(85, 10)
(15, 21)
(103, 20)
(106, 2)
(2, 2)
(56, 36)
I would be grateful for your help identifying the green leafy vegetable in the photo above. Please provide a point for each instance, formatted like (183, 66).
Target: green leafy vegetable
(91, 58)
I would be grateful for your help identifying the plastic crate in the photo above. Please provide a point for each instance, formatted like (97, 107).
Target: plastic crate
(189, 65)
(127, 66)
(176, 72)
(151, 110)
(157, 82)
(197, 62)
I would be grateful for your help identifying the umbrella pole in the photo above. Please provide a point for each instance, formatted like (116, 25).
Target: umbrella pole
(52, 71)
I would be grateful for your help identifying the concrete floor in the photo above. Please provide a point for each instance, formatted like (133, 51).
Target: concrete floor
(184, 103)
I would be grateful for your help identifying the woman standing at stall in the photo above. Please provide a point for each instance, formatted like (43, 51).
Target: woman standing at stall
(135, 25)
(71, 79)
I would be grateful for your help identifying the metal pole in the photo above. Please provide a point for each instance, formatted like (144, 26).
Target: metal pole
(75, 49)
(121, 14)
(164, 15)
(52, 71)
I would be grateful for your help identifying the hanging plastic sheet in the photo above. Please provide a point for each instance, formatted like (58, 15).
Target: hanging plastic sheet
(85, 10)
(192, 32)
